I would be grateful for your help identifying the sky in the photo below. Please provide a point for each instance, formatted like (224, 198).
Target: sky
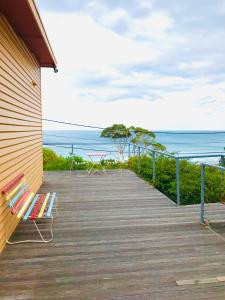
(157, 64)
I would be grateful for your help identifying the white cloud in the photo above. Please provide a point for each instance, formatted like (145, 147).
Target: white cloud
(153, 26)
(195, 65)
(175, 110)
(80, 43)
(111, 18)
(89, 50)
(146, 4)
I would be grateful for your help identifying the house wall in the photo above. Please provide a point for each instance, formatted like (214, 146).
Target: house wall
(20, 119)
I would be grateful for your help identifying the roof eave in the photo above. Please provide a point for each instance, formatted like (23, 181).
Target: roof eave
(38, 20)
(25, 20)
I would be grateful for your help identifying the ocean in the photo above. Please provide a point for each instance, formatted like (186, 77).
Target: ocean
(182, 142)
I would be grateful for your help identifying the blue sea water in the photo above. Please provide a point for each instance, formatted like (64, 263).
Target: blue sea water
(183, 142)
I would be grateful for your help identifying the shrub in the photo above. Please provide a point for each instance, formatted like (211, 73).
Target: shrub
(49, 156)
(76, 162)
(113, 164)
(54, 162)
(190, 178)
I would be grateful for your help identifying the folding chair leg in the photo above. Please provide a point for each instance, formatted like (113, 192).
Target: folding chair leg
(42, 240)
(56, 206)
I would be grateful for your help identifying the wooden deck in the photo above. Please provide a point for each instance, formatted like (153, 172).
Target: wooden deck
(116, 238)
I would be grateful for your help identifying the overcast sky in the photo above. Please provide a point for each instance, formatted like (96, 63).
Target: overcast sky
(159, 64)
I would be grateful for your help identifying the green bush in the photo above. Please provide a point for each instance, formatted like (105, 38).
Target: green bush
(49, 156)
(113, 164)
(54, 162)
(190, 178)
(76, 162)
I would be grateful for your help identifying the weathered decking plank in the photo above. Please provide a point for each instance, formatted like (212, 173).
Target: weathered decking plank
(116, 238)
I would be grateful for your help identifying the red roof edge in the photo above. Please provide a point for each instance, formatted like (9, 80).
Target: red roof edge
(26, 22)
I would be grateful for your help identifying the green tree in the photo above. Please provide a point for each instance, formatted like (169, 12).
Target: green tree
(145, 138)
(120, 135)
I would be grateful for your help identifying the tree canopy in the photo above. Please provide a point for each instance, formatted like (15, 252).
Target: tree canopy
(144, 137)
(116, 132)
(138, 136)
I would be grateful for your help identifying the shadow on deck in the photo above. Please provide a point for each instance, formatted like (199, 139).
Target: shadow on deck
(115, 238)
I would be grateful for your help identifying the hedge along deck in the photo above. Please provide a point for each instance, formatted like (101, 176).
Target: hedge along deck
(21, 59)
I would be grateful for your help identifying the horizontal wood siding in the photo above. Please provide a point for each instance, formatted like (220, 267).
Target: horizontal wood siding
(20, 119)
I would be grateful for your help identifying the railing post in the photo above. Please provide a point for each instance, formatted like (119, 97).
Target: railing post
(178, 179)
(72, 149)
(129, 150)
(202, 210)
(153, 168)
(139, 159)
(222, 163)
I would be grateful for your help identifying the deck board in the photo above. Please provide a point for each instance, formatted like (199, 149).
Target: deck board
(115, 238)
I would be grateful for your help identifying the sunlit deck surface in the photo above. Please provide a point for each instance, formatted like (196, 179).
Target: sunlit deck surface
(116, 238)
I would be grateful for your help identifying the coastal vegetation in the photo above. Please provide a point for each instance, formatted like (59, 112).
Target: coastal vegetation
(190, 173)
(53, 162)
(190, 178)
(119, 134)
(137, 136)
(165, 174)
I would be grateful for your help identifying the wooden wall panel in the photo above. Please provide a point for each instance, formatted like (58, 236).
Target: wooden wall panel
(20, 119)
